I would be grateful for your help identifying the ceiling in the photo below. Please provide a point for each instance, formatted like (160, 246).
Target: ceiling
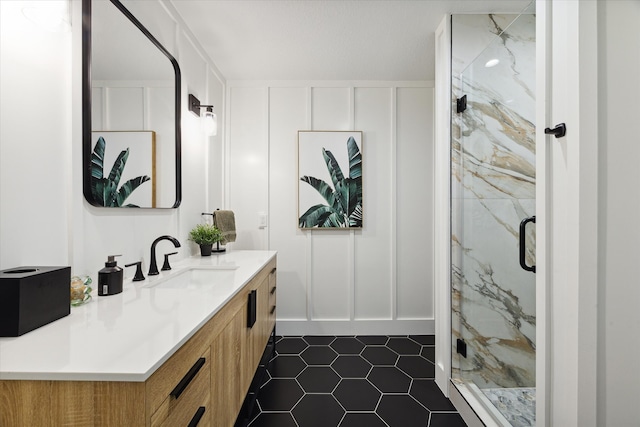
(325, 39)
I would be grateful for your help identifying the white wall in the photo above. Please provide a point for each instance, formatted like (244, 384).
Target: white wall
(619, 204)
(374, 280)
(35, 141)
(44, 218)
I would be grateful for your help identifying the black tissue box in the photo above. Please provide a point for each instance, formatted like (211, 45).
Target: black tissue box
(31, 297)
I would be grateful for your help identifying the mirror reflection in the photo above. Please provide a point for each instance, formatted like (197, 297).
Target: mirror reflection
(133, 148)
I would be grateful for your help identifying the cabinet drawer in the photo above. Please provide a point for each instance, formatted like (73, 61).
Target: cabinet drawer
(184, 401)
(183, 368)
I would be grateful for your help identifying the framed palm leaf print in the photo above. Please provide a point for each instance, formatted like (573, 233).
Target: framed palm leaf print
(330, 179)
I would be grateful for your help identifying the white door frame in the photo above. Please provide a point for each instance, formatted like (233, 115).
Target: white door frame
(543, 12)
(571, 231)
(442, 205)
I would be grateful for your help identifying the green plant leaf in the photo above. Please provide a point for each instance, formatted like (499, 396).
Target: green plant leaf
(342, 190)
(118, 167)
(321, 187)
(335, 220)
(108, 190)
(355, 159)
(205, 234)
(355, 219)
(127, 188)
(97, 159)
(355, 172)
(333, 167)
(315, 216)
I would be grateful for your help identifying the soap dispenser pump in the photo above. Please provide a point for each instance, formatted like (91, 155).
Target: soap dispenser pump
(110, 278)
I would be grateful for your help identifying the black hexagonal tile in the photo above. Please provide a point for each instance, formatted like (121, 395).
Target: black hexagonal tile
(379, 355)
(270, 419)
(428, 393)
(390, 383)
(291, 345)
(319, 339)
(347, 345)
(318, 410)
(351, 366)
(318, 379)
(446, 420)
(319, 355)
(255, 411)
(265, 379)
(362, 419)
(373, 339)
(402, 411)
(357, 395)
(286, 366)
(389, 379)
(279, 395)
(417, 367)
(424, 339)
(404, 346)
(429, 353)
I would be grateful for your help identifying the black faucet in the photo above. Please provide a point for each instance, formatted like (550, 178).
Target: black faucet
(153, 266)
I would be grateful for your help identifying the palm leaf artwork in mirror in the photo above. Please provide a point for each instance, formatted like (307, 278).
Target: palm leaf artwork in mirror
(343, 207)
(105, 190)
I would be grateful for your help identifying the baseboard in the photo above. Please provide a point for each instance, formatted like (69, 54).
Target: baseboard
(355, 327)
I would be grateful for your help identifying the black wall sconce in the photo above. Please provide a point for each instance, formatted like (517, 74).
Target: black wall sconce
(210, 119)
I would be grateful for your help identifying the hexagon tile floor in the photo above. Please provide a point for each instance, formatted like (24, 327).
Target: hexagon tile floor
(361, 381)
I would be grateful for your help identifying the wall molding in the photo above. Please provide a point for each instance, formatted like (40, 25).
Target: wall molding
(343, 295)
(355, 327)
(339, 84)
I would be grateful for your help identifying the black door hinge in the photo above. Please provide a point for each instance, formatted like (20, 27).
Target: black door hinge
(461, 347)
(461, 104)
(559, 131)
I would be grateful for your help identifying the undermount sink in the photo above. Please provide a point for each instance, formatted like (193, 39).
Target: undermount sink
(194, 277)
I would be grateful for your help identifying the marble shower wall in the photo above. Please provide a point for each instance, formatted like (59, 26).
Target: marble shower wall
(493, 189)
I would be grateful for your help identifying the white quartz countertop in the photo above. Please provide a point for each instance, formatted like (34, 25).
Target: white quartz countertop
(126, 337)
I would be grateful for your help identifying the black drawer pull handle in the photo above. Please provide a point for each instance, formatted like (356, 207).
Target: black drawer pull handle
(184, 382)
(252, 309)
(273, 271)
(196, 418)
(273, 309)
(523, 244)
(273, 290)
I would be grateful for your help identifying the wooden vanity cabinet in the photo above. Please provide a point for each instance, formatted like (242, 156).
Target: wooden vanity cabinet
(204, 383)
(272, 300)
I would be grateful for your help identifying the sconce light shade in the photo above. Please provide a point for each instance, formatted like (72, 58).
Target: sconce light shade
(209, 118)
(210, 122)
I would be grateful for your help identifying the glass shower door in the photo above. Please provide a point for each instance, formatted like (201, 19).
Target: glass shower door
(493, 192)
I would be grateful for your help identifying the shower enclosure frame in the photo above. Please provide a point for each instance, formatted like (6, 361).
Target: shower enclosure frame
(442, 214)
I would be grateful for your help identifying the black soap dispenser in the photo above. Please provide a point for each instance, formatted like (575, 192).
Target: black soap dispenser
(110, 278)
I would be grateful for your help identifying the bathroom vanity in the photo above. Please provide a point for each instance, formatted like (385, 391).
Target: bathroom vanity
(179, 349)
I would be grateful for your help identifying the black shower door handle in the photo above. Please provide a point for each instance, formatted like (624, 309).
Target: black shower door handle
(523, 243)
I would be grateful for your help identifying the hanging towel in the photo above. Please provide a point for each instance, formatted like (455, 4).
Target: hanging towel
(226, 223)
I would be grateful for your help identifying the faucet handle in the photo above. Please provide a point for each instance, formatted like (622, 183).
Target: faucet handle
(138, 276)
(166, 265)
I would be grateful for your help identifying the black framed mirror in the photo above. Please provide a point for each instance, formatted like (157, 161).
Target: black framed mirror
(131, 137)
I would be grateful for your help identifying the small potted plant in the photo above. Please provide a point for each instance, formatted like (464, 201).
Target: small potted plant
(205, 235)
